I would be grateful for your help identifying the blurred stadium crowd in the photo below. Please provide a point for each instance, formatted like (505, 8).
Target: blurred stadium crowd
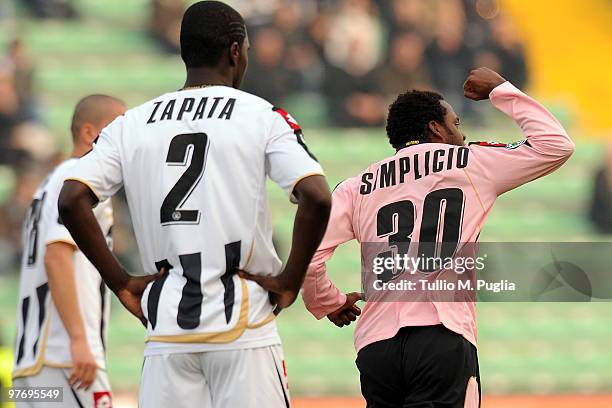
(358, 54)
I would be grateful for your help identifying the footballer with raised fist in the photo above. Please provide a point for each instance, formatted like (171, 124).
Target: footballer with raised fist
(434, 189)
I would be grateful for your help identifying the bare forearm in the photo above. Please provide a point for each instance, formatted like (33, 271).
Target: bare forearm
(75, 208)
(60, 274)
(309, 227)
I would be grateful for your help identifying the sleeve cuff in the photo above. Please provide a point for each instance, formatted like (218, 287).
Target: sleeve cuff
(502, 89)
(321, 311)
(88, 184)
(63, 240)
(292, 197)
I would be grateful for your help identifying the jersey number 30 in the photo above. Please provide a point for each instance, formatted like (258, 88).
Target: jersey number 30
(440, 231)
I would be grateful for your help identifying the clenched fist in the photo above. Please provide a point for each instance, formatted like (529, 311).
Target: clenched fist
(480, 83)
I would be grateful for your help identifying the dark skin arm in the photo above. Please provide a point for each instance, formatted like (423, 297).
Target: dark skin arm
(75, 205)
(314, 205)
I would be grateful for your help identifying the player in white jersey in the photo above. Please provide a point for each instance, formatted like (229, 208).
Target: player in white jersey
(194, 164)
(64, 305)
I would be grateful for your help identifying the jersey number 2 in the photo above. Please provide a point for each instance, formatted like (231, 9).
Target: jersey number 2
(178, 155)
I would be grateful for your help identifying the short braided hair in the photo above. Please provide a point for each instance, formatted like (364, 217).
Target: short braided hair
(207, 30)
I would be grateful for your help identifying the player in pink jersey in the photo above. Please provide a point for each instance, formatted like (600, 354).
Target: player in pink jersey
(433, 189)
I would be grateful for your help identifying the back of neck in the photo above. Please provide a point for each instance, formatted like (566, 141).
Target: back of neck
(206, 76)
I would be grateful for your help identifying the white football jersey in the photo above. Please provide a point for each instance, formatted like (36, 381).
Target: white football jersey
(194, 166)
(41, 336)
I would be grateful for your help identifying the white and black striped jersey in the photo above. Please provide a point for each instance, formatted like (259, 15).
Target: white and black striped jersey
(194, 165)
(41, 336)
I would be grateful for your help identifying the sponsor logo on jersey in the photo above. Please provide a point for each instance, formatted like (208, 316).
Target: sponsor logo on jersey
(102, 399)
(512, 145)
(297, 130)
(488, 144)
(288, 118)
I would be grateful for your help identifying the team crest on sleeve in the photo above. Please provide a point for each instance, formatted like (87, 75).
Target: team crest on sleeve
(514, 145)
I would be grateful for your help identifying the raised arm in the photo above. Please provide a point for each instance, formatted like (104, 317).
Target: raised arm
(545, 148)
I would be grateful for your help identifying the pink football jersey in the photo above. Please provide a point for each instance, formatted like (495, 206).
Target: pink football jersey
(432, 192)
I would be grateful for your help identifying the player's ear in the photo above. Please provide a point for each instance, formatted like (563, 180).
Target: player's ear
(234, 54)
(436, 132)
(88, 132)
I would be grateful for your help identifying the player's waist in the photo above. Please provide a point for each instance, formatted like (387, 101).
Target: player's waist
(382, 320)
(210, 334)
(253, 336)
(216, 314)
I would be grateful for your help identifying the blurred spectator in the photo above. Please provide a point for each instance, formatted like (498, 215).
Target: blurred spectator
(405, 68)
(478, 14)
(25, 147)
(20, 138)
(165, 23)
(290, 16)
(23, 76)
(267, 59)
(305, 67)
(509, 50)
(302, 60)
(409, 15)
(33, 142)
(9, 110)
(257, 12)
(4, 10)
(59, 9)
(353, 52)
(601, 203)
(449, 58)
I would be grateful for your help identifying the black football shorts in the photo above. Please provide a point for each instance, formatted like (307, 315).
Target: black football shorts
(421, 367)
